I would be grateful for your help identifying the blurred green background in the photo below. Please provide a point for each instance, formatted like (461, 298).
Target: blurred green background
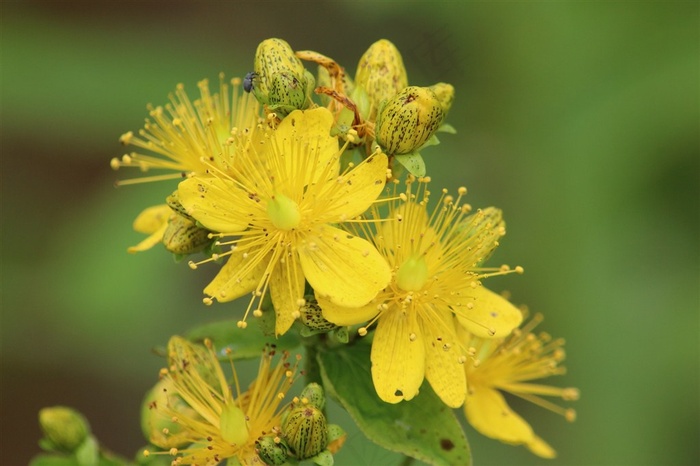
(579, 119)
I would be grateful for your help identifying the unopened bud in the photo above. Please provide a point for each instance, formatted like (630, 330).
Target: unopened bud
(381, 72)
(408, 120)
(306, 431)
(445, 93)
(273, 452)
(313, 393)
(182, 236)
(64, 428)
(280, 79)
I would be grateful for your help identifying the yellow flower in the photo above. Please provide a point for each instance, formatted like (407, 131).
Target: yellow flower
(436, 262)
(183, 136)
(180, 137)
(510, 365)
(214, 420)
(278, 206)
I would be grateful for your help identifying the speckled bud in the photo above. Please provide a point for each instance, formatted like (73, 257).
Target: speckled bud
(380, 72)
(182, 236)
(313, 394)
(306, 431)
(445, 93)
(280, 79)
(408, 120)
(271, 452)
(157, 426)
(173, 202)
(312, 316)
(64, 428)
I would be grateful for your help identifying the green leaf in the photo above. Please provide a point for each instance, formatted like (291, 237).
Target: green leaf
(244, 343)
(413, 163)
(447, 128)
(423, 428)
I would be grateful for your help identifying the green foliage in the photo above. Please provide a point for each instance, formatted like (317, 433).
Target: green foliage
(423, 428)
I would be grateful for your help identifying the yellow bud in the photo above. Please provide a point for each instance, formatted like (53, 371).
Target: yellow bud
(381, 73)
(64, 428)
(408, 120)
(445, 93)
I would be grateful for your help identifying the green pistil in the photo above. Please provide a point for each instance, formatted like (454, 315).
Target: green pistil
(412, 274)
(283, 212)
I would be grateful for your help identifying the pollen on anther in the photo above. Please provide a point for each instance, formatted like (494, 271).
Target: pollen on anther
(301, 302)
(519, 270)
(192, 265)
(412, 337)
(362, 331)
(258, 313)
(208, 301)
(462, 191)
(241, 324)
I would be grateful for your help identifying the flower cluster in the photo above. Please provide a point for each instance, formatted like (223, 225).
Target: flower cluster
(312, 195)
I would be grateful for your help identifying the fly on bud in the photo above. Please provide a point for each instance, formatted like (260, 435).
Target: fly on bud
(408, 120)
(279, 79)
(381, 73)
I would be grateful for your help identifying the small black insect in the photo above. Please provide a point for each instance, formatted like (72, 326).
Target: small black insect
(248, 81)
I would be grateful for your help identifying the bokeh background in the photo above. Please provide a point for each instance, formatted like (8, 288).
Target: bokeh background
(579, 119)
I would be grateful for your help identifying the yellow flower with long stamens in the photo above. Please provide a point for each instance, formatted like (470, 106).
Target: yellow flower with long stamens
(511, 365)
(184, 137)
(436, 262)
(275, 211)
(217, 421)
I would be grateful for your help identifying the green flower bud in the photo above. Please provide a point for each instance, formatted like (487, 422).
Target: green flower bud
(182, 236)
(306, 431)
(157, 426)
(313, 394)
(64, 428)
(312, 316)
(381, 73)
(445, 94)
(274, 451)
(408, 120)
(280, 79)
(173, 202)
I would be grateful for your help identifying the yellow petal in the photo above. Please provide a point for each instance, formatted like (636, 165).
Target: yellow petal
(541, 448)
(152, 219)
(442, 353)
(151, 241)
(492, 316)
(344, 268)
(340, 315)
(286, 289)
(488, 412)
(217, 204)
(304, 138)
(352, 193)
(398, 356)
(238, 277)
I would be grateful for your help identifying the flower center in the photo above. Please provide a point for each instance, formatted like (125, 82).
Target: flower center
(412, 274)
(232, 425)
(283, 212)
